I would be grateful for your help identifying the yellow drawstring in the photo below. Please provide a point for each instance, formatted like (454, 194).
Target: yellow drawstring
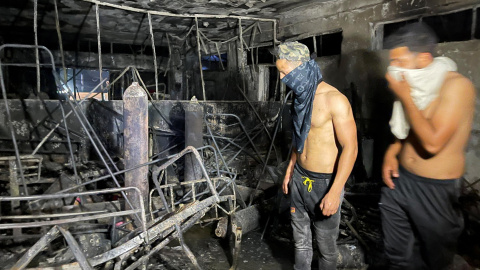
(310, 181)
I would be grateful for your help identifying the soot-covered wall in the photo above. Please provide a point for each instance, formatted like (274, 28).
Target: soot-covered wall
(360, 68)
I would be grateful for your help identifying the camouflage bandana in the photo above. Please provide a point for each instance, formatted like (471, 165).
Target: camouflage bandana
(303, 81)
(292, 51)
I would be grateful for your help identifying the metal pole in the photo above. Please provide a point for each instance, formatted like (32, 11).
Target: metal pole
(185, 226)
(168, 14)
(200, 59)
(92, 130)
(37, 57)
(243, 147)
(134, 168)
(161, 230)
(169, 60)
(151, 100)
(236, 250)
(28, 256)
(110, 90)
(66, 116)
(241, 62)
(77, 114)
(76, 249)
(99, 44)
(215, 143)
(141, 209)
(135, 129)
(154, 55)
(193, 137)
(244, 130)
(75, 82)
(240, 137)
(242, 202)
(58, 81)
(72, 157)
(274, 30)
(219, 56)
(12, 131)
(279, 121)
(60, 43)
(258, 116)
(187, 251)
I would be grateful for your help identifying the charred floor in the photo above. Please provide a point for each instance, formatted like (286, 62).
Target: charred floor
(156, 134)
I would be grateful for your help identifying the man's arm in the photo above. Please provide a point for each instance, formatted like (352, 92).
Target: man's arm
(434, 133)
(390, 163)
(346, 133)
(289, 172)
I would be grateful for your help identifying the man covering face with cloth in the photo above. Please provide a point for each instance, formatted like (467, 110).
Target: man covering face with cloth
(324, 151)
(431, 120)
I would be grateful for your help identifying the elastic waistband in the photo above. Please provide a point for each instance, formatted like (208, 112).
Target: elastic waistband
(412, 176)
(310, 174)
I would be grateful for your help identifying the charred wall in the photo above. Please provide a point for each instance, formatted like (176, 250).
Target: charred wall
(167, 121)
(32, 120)
(360, 68)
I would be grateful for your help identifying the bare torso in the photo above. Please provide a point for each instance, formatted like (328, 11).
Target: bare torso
(321, 150)
(449, 163)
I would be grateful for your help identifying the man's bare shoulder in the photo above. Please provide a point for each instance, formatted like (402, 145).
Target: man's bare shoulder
(328, 91)
(335, 97)
(456, 84)
(333, 100)
(337, 102)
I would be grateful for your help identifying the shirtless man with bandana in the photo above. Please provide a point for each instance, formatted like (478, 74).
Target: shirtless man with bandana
(324, 152)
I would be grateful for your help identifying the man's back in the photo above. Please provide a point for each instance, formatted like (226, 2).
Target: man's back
(456, 104)
(321, 147)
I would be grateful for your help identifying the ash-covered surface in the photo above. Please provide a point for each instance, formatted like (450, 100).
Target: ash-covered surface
(276, 249)
(216, 253)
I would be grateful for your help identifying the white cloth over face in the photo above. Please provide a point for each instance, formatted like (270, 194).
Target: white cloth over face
(425, 85)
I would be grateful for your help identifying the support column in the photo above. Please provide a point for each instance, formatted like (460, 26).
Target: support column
(193, 137)
(135, 132)
(260, 85)
(176, 74)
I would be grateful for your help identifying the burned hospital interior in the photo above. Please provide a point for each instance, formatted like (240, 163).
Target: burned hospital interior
(156, 134)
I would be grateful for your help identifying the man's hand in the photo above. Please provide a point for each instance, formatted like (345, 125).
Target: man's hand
(389, 170)
(286, 180)
(330, 203)
(401, 89)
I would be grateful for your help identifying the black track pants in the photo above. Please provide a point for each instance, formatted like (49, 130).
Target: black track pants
(421, 221)
(306, 196)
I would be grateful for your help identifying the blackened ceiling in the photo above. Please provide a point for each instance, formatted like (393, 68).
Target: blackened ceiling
(77, 20)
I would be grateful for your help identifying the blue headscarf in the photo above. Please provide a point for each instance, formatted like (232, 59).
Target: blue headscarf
(303, 80)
